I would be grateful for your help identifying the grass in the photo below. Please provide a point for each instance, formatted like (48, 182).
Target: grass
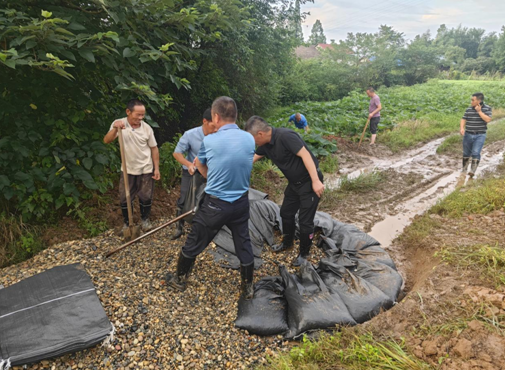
(18, 241)
(346, 350)
(488, 196)
(266, 177)
(409, 133)
(488, 260)
(364, 183)
(415, 235)
(329, 164)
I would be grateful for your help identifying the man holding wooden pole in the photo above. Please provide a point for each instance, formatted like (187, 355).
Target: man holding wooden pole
(374, 114)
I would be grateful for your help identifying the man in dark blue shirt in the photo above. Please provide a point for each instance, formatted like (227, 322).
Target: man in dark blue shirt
(300, 121)
(225, 159)
(289, 152)
(473, 128)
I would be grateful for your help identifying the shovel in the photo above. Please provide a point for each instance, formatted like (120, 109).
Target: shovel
(151, 232)
(364, 130)
(132, 232)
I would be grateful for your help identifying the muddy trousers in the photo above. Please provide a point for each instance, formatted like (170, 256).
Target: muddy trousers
(141, 186)
(215, 213)
(472, 146)
(299, 197)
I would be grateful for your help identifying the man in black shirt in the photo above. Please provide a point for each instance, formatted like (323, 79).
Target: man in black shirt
(473, 128)
(290, 153)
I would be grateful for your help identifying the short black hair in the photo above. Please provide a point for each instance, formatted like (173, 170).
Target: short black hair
(226, 108)
(479, 96)
(207, 114)
(256, 124)
(133, 103)
(370, 88)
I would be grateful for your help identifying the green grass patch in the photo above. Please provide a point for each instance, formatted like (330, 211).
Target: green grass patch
(18, 241)
(488, 195)
(487, 260)
(266, 177)
(329, 164)
(348, 351)
(415, 235)
(364, 183)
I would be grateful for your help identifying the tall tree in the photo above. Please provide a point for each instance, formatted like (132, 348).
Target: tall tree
(317, 34)
(498, 53)
(296, 22)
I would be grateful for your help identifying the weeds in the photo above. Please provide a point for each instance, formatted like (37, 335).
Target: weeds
(349, 351)
(415, 235)
(451, 145)
(18, 241)
(488, 260)
(487, 197)
(329, 164)
(365, 182)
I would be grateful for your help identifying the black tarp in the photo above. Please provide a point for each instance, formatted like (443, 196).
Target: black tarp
(195, 194)
(49, 314)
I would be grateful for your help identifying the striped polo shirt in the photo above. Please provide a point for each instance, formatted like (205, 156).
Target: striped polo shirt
(473, 121)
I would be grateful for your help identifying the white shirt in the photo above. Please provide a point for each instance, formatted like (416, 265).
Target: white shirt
(137, 144)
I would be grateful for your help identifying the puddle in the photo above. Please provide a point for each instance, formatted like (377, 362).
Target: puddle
(388, 229)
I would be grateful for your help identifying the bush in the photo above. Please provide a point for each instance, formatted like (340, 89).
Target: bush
(170, 169)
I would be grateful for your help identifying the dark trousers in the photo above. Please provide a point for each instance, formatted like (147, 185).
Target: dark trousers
(211, 217)
(141, 186)
(374, 124)
(300, 197)
(185, 182)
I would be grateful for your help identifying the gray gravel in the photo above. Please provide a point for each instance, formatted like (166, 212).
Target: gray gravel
(158, 328)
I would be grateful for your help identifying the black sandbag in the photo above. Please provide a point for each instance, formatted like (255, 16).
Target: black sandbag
(266, 313)
(194, 195)
(50, 314)
(362, 299)
(311, 305)
(382, 276)
(372, 253)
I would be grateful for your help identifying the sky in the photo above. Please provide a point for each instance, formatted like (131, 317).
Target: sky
(412, 17)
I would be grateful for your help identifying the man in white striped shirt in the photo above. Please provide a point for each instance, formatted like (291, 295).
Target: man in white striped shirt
(473, 128)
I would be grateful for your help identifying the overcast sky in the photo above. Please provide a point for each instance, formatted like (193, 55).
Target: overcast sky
(411, 17)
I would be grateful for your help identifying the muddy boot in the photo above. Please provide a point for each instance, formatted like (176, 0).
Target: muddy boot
(466, 162)
(473, 167)
(246, 286)
(184, 266)
(288, 236)
(305, 244)
(180, 226)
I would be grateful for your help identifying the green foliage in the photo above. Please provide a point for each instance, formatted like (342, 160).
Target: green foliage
(349, 351)
(410, 114)
(170, 169)
(329, 164)
(363, 183)
(317, 34)
(487, 197)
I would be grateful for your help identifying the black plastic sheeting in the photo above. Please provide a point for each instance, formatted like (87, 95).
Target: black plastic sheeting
(50, 314)
(354, 282)
(194, 196)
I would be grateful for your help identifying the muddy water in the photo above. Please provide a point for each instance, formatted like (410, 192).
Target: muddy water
(441, 174)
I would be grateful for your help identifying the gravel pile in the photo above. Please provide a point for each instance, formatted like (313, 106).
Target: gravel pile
(157, 328)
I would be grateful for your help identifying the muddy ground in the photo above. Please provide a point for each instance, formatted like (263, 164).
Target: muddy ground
(161, 329)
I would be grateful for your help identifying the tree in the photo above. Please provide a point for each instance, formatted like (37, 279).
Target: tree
(296, 22)
(317, 34)
(420, 60)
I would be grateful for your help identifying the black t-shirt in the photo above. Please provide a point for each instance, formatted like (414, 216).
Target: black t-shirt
(282, 150)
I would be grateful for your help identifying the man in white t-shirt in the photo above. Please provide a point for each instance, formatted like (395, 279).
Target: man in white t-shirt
(142, 159)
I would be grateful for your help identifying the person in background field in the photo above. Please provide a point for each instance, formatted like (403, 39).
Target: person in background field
(287, 150)
(473, 128)
(374, 114)
(190, 143)
(225, 159)
(142, 160)
(300, 121)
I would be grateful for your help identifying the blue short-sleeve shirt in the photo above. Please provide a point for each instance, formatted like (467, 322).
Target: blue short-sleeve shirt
(301, 124)
(228, 155)
(190, 143)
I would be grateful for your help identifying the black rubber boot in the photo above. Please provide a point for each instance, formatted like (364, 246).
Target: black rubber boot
(124, 211)
(473, 168)
(305, 244)
(184, 266)
(466, 161)
(288, 236)
(180, 226)
(145, 211)
(247, 287)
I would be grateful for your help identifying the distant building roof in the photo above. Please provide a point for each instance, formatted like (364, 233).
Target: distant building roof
(324, 46)
(307, 52)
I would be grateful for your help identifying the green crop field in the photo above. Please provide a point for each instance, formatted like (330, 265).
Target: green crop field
(410, 114)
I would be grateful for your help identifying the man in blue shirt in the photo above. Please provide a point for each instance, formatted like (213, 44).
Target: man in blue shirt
(190, 143)
(225, 159)
(300, 121)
